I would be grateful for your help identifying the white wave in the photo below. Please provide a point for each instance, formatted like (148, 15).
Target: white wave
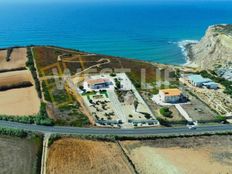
(182, 44)
(171, 42)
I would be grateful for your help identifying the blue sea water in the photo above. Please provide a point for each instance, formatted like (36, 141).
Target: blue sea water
(146, 31)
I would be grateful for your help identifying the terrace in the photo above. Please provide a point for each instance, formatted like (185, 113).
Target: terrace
(101, 107)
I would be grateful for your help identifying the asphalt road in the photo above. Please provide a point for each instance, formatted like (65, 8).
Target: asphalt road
(109, 131)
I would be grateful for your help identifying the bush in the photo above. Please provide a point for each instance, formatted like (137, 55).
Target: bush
(221, 118)
(53, 138)
(155, 91)
(117, 83)
(147, 116)
(81, 87)
(113, 75)
(166, 112)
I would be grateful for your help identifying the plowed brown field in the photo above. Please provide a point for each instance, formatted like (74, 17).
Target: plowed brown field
(15, 77)
(18, 155)
(193, 155)
(19, 102)
(18, 59)
(73, 156)
(17, 95)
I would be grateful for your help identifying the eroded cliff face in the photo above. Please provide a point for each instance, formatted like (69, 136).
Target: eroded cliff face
(214, 50)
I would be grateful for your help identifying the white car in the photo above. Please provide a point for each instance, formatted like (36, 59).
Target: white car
(192, 125)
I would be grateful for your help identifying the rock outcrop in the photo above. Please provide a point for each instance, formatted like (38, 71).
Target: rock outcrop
(214, 50)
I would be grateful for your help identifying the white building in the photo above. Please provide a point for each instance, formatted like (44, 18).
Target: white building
(199, 81)
(170, 95)
(100, 83)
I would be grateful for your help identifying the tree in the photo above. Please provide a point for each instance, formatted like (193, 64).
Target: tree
(81, 87)
(165, 112)
(136, 104)
(113, 75)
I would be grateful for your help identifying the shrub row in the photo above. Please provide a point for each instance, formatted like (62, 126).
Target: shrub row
(39, 141)
(47, 96)
(31, 66)
(13, 69)
(114, 138)
(13, 132)
(18, 85)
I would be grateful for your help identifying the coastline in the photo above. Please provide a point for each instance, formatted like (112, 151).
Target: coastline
(185, 46)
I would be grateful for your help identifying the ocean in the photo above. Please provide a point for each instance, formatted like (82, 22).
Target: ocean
(153, 32)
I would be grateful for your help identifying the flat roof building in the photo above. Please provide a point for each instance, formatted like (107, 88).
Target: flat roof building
(170, 95)
(211, 85)
(198, 80)
(99, 83)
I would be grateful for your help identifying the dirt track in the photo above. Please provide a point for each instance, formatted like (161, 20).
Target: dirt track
(71, 155)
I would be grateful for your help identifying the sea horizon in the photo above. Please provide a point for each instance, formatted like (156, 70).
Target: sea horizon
(153, 32)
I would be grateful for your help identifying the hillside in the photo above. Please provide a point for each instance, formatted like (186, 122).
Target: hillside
(214, 50)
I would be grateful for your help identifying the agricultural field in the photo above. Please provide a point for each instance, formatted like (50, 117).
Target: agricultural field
(25, 102)
(73, 155)
(192, 155)
(19, 155)
(17, 86)
(15, 78)
(17, 59)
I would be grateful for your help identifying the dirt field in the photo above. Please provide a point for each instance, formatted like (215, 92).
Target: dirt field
(17, 155)
(18, 59)
(15, 77)
(196, 155)
(19, 102)
(46, 56)
(198, 110)
(69, 155)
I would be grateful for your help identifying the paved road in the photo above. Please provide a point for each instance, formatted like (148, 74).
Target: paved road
(108, 131)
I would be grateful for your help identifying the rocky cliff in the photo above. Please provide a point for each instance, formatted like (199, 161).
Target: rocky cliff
(214, 50)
